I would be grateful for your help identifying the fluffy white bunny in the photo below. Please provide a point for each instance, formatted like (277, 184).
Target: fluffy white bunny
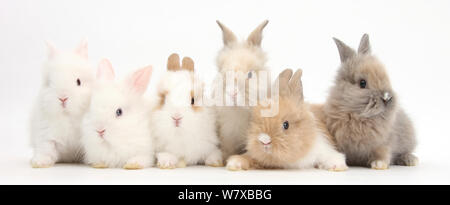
(248, 58)
(116, 129)
(62, 100)
(185, 133)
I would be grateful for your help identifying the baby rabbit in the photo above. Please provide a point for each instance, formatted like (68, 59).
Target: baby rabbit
(185, 132)
(116, 129)
(362, 114)
(291, 139)
(62, 100)
(245, 58)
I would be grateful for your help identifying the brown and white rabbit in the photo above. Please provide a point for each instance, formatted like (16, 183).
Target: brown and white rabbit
(362, 114)
(184, 130)
(291, 139)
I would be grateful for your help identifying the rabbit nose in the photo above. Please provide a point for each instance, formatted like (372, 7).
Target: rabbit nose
(233, 93)
(387, 97)
(63, 99)
(264, 138)
(177, 118)
(101, 133)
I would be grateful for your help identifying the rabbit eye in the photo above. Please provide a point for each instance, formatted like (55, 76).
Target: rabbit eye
(192, 101)
(119, 112)
(78, 82)
(362, 83)
(285, 125)
(250, 74)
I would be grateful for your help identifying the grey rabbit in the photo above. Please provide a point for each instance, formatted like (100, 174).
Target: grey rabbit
(363, 115)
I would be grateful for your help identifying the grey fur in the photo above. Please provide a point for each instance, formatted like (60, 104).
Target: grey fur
(364, 45)
(366, 128)
(345, 52)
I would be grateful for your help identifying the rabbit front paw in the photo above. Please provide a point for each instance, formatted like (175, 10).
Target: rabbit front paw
(133, 166)
(335, 163)
(237, 163)
(334, 166)
(215, 159)
(138, 162)
(42, 161)
(379, 165)
(167, 161)
(338, 168)
(99, 165)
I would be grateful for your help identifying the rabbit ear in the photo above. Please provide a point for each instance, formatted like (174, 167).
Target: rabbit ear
(187, 64)
(105, 70)
(295, 85)
(140, 79)
(228, 36)
(173, 62)
(364, 45)
(345, 52)
(255, 37)
(283, 80)
(52, 51)
(82, 49)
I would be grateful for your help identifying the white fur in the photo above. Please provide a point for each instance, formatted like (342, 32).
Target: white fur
(379, 164)
(167, 160)
(323, 155)
(264, 138)
(127, 139)
(234, 164)
(195, 140)
(55, 131)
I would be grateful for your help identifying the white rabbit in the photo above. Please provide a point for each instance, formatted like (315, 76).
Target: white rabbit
(61, 102)
(241, 57)
(116, 129)
(185, 133)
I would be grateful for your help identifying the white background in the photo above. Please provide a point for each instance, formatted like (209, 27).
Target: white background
(412, 38)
